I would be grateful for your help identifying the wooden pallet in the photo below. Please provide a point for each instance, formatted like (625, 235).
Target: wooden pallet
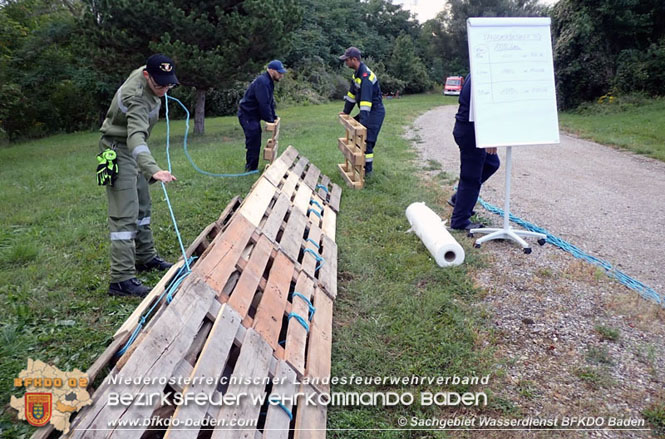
(108, 358)
(258, 303)
(259, 281)
(271, 149)
(353, 148)
(292, 169)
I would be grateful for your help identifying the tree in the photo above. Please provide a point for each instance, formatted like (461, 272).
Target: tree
(406, 65)
(43, 86)
(214, 44)
(602, 45)
(447, 39)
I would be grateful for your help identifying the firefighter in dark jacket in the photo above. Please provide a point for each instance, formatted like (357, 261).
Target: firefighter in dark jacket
(366, 92)
(256, 105)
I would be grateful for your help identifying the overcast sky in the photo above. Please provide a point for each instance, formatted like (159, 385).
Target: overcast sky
(427, 9)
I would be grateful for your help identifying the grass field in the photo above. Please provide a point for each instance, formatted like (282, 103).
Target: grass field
(630, 122)
(397, 313)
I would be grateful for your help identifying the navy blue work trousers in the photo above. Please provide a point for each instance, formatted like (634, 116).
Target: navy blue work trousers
(252, 129)
(476, 166)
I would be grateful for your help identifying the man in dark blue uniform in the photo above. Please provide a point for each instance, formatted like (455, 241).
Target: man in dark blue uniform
(258, 104)
(476, 164)
(366, 92)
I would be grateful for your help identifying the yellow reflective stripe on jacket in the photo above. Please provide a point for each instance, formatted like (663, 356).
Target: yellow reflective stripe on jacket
(367, 104)
(357, 80)
(372, 77)
(350, 97)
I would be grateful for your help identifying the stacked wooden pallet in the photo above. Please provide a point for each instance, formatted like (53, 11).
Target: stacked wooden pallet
(272, 147)
(249, 328)
(353, 148)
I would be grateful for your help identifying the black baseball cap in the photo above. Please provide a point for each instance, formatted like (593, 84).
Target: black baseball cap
(162, 69)
(351, 52)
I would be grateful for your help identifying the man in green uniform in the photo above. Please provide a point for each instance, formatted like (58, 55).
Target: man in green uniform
(129, 121)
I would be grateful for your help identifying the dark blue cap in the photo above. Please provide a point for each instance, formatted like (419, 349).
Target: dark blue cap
(351, 52)
(162, 69)
(276, 64)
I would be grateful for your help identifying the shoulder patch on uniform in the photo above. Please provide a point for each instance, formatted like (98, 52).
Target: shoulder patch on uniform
(365, 75)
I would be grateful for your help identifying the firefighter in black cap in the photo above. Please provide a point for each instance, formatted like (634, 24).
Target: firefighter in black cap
(366, 92)
(127, 167)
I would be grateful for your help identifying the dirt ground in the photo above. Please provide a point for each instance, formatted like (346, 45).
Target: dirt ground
(569, 340)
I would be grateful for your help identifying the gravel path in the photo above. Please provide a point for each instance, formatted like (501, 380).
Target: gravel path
(609, 203)
(568, 340)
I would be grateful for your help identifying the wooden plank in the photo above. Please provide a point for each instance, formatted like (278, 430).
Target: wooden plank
(253, 363)
(289, 187)
(257, 202)
(324, 193)
(292, 238)
(349, 181)
(329, 224)
(276, 217)
(296, 334)
(309, 262)
(210, 365)
(164, 345)
(219, 261)
(335, 197)
(273, 126)
(243, 294)
(229, 210)
(328, 271)
(310, 419)
(290, 154)
(300, 166)
(302, 199)
(277, 170)
(269, 314)
(277, 421)
(319, 349)
(312, 176)
(351, 153)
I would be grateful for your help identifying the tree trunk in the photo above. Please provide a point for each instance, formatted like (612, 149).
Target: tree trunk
(200, 112)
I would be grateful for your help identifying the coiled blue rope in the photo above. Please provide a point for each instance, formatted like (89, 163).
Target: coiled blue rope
(635, 285)
(312, 310)
(185, 144)
(300, 320)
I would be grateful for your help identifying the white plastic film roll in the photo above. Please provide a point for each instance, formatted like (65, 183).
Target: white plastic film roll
(431, 230)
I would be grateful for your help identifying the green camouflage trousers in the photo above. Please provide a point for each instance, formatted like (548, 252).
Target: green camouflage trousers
(129, 217)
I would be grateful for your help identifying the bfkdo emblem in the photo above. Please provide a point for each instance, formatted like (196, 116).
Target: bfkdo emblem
(38, 408)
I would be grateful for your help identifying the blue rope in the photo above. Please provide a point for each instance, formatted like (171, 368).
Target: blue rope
(628, 281)
(320, 186)
(316, 212)
(318, 258)
(300, 320)
(283, 407)
(185, 144)
(312, 310)
(316, 203)
(316, 244)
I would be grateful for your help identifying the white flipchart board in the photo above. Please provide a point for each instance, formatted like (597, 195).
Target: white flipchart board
(513, 99)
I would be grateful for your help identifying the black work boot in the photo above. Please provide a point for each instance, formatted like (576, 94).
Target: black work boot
(129, 287)
(156, 263)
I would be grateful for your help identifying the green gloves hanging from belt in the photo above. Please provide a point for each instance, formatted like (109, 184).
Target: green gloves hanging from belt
(107, 167)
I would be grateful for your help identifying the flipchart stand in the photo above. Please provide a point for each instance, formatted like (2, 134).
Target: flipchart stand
(508, 232)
